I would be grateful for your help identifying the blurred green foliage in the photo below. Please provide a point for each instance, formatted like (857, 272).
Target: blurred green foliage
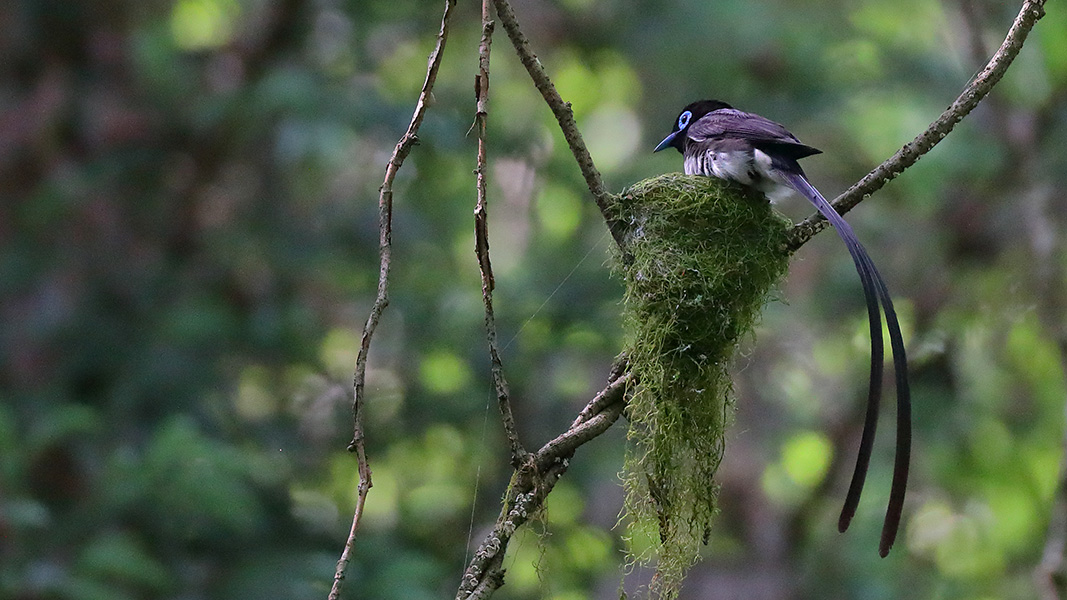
(188, 250)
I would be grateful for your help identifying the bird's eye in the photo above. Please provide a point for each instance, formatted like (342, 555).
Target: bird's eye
(683, 119)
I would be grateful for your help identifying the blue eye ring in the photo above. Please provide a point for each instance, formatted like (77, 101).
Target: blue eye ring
(683, 119)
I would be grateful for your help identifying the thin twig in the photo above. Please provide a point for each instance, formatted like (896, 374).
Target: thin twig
(531, 484)
(385, 227)
(976, 90)
(481, 241)
(564, 116)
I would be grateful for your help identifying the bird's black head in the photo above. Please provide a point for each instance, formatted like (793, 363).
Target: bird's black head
(689, 115)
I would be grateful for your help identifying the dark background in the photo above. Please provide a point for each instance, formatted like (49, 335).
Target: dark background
(188, 250)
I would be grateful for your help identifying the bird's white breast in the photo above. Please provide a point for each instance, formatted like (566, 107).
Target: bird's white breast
(749, 167)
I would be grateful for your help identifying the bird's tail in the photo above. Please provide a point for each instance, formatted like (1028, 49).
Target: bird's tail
(874, 289)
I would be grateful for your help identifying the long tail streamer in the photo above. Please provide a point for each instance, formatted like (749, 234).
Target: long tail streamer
(874, 290)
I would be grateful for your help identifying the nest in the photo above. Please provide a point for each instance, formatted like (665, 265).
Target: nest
(702, 259)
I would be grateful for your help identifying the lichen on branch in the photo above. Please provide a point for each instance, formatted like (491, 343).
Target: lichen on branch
(702, 258)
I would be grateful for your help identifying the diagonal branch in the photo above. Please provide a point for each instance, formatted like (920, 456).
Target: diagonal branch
(564, 116)
(481, 241)
(385, 231)
(976, 90)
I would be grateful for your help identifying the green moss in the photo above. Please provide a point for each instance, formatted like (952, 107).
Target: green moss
(703, 256)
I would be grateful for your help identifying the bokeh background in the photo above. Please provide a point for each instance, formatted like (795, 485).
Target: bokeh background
(188, 250)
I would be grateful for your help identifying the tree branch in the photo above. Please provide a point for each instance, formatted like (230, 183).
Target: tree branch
(531, 484)
(618, 377)
(598, 420)
(381, 301)
(564, 116)
(976, 90)
(481, 241)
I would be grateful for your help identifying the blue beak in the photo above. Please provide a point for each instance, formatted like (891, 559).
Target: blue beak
(666, 141)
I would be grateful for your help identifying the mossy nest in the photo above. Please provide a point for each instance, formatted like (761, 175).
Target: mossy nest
(702, 257)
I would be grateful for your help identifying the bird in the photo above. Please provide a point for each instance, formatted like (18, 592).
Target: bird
(717, 140)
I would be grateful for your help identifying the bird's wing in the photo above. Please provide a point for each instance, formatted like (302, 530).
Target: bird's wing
(760, 132)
